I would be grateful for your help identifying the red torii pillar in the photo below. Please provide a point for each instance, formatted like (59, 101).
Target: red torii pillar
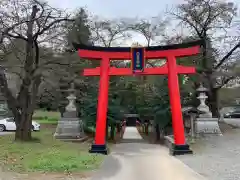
(171, 69)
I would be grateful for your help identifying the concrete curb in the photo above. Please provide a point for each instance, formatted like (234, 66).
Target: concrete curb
(168, 141)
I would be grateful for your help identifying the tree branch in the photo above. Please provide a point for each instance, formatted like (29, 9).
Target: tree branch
(226, 81)
(36, 53)
(189, 22)
(18, 36)
(6, 31)
(11, 100)
(50, 25)
(227, 56)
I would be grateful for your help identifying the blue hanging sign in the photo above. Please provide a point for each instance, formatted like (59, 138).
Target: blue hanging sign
(138, 59)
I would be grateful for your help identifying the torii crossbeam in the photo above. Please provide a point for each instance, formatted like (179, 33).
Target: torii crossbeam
(147, 71)
(138, 56)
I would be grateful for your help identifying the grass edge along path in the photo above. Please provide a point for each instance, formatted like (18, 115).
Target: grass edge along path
(48, 155)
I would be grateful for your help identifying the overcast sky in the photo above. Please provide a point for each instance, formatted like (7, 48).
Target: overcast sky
(122, 8)
(118, 8)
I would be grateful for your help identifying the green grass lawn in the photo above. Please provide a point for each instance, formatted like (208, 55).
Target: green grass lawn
(46, 117)
(51, 117)
(47, 121)
(50, 114)
(49, 155)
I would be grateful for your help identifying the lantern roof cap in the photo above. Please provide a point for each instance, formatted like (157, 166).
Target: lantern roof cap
(201, 88)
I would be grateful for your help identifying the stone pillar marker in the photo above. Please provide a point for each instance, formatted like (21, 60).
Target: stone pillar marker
(70, 127)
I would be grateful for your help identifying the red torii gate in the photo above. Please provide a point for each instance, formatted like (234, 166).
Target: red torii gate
(170, 52)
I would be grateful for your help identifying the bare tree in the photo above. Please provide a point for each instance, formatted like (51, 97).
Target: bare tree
(210, 21)
(107, 32)
(37, 24)
(153, 29)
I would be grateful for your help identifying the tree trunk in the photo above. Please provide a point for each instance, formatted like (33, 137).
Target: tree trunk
(62, 110)
(24, 128)
(112, 131)
(118, 126)
(146, 126)
(29, 87)
(162, 134)
(195, 101)
(213, 102)
(210, 82)
(157, 130)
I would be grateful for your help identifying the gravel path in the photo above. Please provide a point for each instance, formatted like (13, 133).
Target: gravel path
(216, 158)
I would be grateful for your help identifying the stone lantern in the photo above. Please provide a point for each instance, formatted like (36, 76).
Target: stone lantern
(205, 123)
(71, 105)
(202, 98)
(70, 127)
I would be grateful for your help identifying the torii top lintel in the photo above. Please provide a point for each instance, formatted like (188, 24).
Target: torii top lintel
(152, 52)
